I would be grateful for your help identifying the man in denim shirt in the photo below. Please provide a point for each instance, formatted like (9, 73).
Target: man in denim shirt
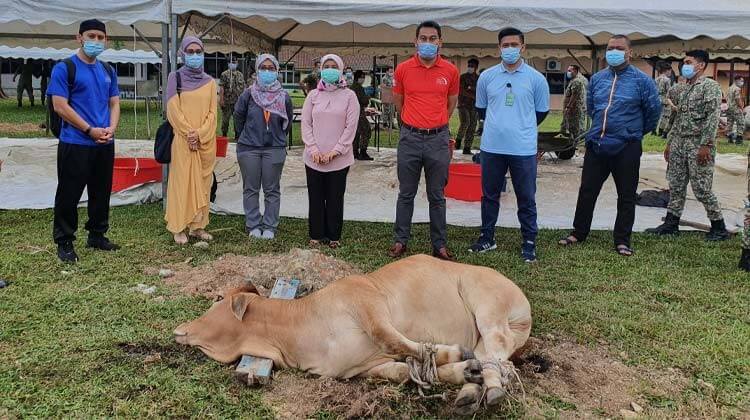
(624, 104)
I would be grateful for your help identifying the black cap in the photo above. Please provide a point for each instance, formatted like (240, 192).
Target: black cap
(90, 24)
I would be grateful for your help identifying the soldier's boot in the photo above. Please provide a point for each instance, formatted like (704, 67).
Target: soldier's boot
(738, 139)
(718, 231)
(744, 260)
(458, 143)
(364, 156)
(671, 226)
(730, 136)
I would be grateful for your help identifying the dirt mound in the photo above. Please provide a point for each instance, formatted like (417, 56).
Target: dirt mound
(311, 266)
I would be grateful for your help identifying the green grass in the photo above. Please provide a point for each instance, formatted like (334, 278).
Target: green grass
(72, 338)
(10, 115)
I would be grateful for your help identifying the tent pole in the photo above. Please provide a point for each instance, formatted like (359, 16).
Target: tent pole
(173, 44)
(164, 78)
(143, 37)
(185, 28)
(210, 27)
(731, 72)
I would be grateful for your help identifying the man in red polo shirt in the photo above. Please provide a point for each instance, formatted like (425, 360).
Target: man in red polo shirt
(425, 92)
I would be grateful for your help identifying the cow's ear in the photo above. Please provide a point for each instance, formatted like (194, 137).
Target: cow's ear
(239, 304)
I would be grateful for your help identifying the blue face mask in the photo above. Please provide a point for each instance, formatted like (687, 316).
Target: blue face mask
(330, 75)
(427, 50)
(232, 66)
(688, 70)
(92, 48)
(194, 61)
(569, 75)
(510, 55)
(267, 77)
(615, 57)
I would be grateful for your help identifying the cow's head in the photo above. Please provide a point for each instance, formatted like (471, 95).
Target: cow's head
(221, 332)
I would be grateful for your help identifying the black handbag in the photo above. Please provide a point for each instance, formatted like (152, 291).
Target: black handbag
(165, 134)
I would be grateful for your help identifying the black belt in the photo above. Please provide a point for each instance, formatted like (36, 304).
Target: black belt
(425, 131)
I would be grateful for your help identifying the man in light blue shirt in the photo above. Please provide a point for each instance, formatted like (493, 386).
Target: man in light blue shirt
(513, 99)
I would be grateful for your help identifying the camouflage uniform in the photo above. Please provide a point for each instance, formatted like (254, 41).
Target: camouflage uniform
(746, 230)
(362, 138)
(672, 95)
(467, 113)
(574, 107)
(735, 114)
(696, 124)
(389, 110)
(233, 83)
(663, 84)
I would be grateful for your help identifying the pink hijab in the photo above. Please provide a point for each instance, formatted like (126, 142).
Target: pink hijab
(329, 87)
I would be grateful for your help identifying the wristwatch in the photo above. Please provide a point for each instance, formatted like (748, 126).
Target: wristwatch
(88, 131)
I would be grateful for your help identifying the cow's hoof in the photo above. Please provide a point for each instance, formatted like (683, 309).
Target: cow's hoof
(467, 354)
(467, 401)
(473, 372)
(495, 396)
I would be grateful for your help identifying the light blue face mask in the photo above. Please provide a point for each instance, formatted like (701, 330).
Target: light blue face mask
(267, 77)
(233, 66)
(688, 70)
(615, 57)
(427, 50)
(194, 61)
(510, 55)
(330, 75)
(92, 48)
(569, 75)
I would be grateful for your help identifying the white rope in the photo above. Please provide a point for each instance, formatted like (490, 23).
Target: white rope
(423, 369)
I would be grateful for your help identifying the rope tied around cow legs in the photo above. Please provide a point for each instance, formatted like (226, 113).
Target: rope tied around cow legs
(507, 372)
(423, 369)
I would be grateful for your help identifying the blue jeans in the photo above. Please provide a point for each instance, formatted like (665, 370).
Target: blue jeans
(523, 176)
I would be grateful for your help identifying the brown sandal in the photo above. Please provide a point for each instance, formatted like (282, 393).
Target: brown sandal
(334, 244)
(567, 241)
(313, 243)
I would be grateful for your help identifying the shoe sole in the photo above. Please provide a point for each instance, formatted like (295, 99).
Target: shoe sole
(494, 246)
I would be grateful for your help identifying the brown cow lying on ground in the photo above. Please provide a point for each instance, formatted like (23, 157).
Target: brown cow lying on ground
(368, 325)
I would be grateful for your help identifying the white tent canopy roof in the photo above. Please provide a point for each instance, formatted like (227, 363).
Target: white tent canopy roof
(109, 55)
(68, 12)
(385, 27)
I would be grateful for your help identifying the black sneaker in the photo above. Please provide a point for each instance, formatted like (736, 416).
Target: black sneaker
(466, 152)
(482, 245)
(102, 243)
(66, 253)
(528, 251)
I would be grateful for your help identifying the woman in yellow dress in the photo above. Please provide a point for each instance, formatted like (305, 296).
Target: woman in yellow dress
(191, 110)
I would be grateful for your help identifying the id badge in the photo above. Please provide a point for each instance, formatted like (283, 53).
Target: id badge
(509, 98)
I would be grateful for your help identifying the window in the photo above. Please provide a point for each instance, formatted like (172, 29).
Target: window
(556, 83)
(289, 76)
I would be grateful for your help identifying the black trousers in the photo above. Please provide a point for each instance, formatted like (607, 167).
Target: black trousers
(624, 168)
(325, 192)
(79, 167)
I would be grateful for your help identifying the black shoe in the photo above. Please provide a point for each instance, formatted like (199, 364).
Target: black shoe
(102, 243)
(744, 260)
(467, 152)
(718, 231)
(671, 226)
(66, 253)
(356, 155)
(738, 140)
(364, 156)
(730, 138)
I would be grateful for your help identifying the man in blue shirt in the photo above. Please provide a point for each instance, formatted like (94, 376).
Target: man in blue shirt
(90, 110)
(513, 99)
(623, 103)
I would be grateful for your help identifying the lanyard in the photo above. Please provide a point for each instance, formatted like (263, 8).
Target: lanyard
(267, 117)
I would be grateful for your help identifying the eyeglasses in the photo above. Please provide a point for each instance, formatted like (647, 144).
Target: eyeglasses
(191, 52)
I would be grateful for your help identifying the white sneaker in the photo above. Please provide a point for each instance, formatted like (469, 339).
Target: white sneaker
(255, 234)
(268, 234)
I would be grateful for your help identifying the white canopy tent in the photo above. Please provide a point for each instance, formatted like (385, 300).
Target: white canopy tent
(384, 27)
(109, 55)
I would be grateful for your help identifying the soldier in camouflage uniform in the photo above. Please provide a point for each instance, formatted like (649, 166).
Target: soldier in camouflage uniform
(574, 104)
(672, 95)
(389, 110)
(690, 150)
(663, 84)
(736, 111)
(231, 86)
(362, 137)
(745, 257)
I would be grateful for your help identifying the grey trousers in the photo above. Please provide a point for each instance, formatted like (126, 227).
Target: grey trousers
(261, 167)
(431, 152)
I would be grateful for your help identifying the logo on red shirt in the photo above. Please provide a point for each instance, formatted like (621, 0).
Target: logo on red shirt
(442, 81)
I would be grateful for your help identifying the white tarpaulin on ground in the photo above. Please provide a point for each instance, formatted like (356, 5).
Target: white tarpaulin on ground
(109, 55)
(372, 188)
(387, 26)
